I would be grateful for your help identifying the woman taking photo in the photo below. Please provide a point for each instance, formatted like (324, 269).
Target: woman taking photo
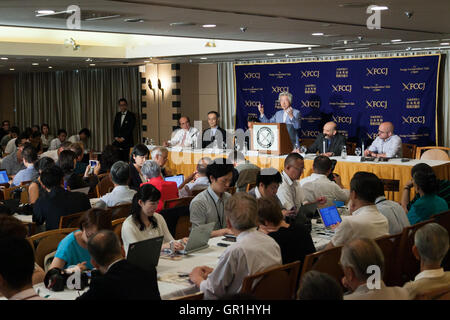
(138, 156)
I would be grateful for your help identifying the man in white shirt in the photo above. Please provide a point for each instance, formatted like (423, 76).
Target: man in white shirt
(290, 192)
(121, 194)
(197, 180)
(61, 137)
(82, 136)
(318, 185)
(16, 269)
(183, 137)
(431, 243)
(54, 154)
(365, 221)
(357, 257)
(252, 252)
(387, 144)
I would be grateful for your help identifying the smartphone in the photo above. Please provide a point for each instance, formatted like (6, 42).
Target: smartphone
(93, 163)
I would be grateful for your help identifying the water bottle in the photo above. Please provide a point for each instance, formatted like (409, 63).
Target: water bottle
(344, 152)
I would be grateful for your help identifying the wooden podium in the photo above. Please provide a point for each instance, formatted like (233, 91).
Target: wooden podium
(272, 138)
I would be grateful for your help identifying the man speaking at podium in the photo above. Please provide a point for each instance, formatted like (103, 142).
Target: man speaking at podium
(289, 116)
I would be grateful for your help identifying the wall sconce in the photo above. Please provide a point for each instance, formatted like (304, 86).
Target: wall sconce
(149, 83)
(210, 44)
(161, 88)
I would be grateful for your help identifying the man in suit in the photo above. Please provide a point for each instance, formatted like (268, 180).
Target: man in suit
(291, 117)
(124, 123)
(334, 142)
(120, 279)
(58, 202)
(214, 135)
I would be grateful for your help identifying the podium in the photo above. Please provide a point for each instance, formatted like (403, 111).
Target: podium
(272, 138)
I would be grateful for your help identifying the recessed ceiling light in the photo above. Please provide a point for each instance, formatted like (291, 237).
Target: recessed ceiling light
(203, 58)
(209, 26)
(45, 11)
(317, 34)
(442, 44)
(147, 61)
(134, 20)
(92, 64)
(270, 54)
(50, 67)
(396, 40)
(11, 69)
(35, 64)
(4, 58)
(349, 49)
(88, 60)
(379, 8)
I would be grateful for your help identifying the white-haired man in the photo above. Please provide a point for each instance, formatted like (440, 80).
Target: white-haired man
(161, 155)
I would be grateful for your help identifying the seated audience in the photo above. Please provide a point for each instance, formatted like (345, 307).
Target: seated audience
(393, 212)
(35, 140)
(429, 202)
(109, 156)
(80, 167)
(443, 189)
(13, 162)
(54, 154)
(317, 285)
(57, 202)
(197, 180)
(387, 144)
(4, 128)
(121, 194)
(138, 156)
(244, 172)
(152, 172)
(185, 136)
(294, 239)
(334, 141)
(13, 227)
(161, 155)
(82, 137)
(214, 136)
(356, 258)
(72, 181)
(16, 269)
(12, 134)
(318, 185)
(72, 250)
(431, 244)
(60, 138)
(253, 251)
(36, 190)
(46, 137)
(364, 221)
(208, 205)
(144, 223)
(13, 144)
(35, 128)
(29, 156)
(121, 280)
(267, 182)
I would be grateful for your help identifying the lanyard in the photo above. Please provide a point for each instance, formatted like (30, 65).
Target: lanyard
(217, 210)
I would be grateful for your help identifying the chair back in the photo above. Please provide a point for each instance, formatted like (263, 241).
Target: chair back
(177, 220)
(104, 186)
(351, 146)
(409, 150)
(436, 294)
(443, 219)
(391, 186)
(277, 283)
(434, 155)
(231, 190)
(178, 202)
(250, 186)
(307, 142)
(70, 221)
(195, 192)
(326, 261)
(8, 193)
(390, 246)
(46, 242)
(117, 227)
(120, 211)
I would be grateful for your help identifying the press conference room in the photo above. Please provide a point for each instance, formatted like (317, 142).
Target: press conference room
(224, 150)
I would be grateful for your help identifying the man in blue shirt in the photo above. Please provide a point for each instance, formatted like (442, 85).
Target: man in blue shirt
(29, 155)
(387, 144)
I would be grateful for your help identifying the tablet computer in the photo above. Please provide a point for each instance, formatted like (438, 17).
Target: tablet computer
(330, 216)
(4, 176)
(178, 179)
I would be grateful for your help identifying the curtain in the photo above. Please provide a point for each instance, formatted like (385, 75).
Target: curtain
(78, 99)
(228, 104)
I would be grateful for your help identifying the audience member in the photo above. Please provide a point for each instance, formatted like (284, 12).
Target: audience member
(214, 136)
(294, 239)
(431, 244)
(121, 280)
(72, 250)
(35, 128)
(185, 136)
(246, 172)
(16, 269)
(317, 285)
(208, 205)
(54, 154)
(138, 156)
(29, 156)
(82, 137)
(72, 181)
(5, 128)
(60, 138)
(152, 172)
(318, 185)
(13, 144)
(267, 182)
(109, 156)
(357, 257)
(36, 190)
(12, 134)
(35, 140)
(78, 149)
(144, 223)
(46, 137)
(365, 221)
(121, 194)
(387, 144)
(334, 141)
(253, 251)
(57, 202)
(197, 180)
(161, 155)
(13, 162)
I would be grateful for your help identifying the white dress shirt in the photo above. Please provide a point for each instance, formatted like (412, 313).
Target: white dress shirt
(428, 280)
(366, 222)
(395, 214)
(252, 252)
(122, 117)
(384, 293)
(119, 195)
(290, 193)
(177, 138)
(197, 184)
(55, 144)
(51, 154)
(11, 146)
(318, 185)
(392, 146)
(46, 141)
(75, 138)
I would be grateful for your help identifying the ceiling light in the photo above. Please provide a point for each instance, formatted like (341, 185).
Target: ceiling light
(396, 40)
(209, 26)
(11, 69)
(442, 44)
(50, 67)
(203, 58)
(147, 61)
(210, 44)
(379, 8)
(45, 11)
(349, 49)
(270, 54)
(317, 34)
(5, 58)
(92, 64)
(134, 20)
(35, 64)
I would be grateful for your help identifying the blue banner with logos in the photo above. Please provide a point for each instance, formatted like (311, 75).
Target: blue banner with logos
(357, 94)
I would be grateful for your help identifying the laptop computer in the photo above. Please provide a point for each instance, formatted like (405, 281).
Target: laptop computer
(145, 254)
(178, 179)
(198, 238)
(4, 176)
(330, 216)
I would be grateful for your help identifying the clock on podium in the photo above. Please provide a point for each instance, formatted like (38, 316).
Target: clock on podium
(270, 138)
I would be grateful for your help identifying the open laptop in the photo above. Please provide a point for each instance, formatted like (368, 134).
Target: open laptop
(145, 254)
(198, 238)
(4, 176)
(178, 179)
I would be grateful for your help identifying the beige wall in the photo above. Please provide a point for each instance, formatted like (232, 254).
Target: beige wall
(7, 98)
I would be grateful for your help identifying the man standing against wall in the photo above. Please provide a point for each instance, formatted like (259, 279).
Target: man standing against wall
(124, 123)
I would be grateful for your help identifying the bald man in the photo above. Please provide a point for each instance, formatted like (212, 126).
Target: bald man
(333, 141)
(387, 144)
(183, 137)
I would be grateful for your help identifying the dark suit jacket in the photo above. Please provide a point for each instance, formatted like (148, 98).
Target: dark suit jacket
(220, 136)
(57, 203)
(123, 281)
(125, 130)
(337, 142)
(135, 179)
